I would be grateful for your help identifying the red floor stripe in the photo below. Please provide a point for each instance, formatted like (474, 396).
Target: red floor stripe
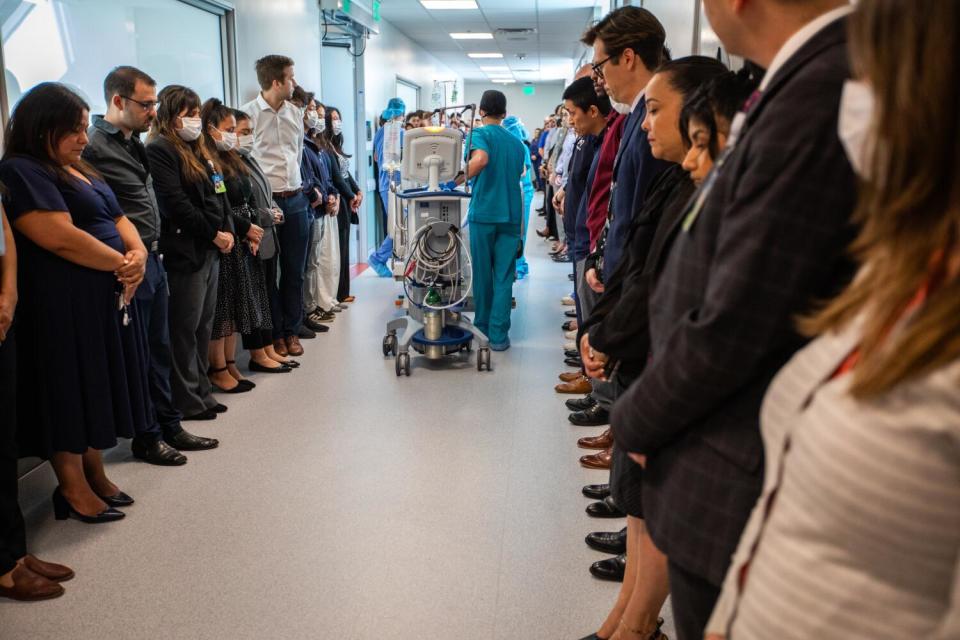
(357, 269)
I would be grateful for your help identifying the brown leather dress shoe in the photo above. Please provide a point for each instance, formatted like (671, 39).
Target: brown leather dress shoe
(570, 376)
(581, 385)
(602, 441)
(293, 346)
(49, 570)
(599, 460)
(280, 346)
(28, 586)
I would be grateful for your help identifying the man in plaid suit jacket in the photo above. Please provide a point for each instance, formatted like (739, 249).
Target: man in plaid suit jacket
(768, 242)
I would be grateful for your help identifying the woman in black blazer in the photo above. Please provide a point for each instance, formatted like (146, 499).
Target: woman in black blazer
(350, 196)
(195, 228)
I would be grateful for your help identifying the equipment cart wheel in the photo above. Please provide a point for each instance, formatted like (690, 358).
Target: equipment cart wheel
(483, 359)
(403, 364)
(390, 344)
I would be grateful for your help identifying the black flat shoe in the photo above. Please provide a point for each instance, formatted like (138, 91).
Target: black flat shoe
(610, 569)
(208, 414)
(259, 368)
(595, 416)
(62, 510)
(572, 313)
(608, 541)
(119, 500)
(244, 382)
(571, 353)
(592, 636)
(605, 508)
(580, 404)
(576, 363)
(240, 388)
(186, 441)
(219, 408)
(157, 452)
(596, 491)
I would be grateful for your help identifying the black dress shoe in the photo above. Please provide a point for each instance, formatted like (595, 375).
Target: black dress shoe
(219, 408)
(571, 353)
(596, 491)
(62, 510)
(306, 333)
(592, 636)
(186, 441)
(605, 508)
(580, 404)
(610, 569)
(608, 542)
(259, 368)
(595, 416)
(157, 452)
(208, 414)
(120, 499)
(576, 363)
(572, 313)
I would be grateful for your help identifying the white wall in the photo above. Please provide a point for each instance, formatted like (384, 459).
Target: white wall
(391, 54)
(530, 109)
(290, 28)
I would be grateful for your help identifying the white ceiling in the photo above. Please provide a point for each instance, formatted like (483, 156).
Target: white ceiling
(549, 54)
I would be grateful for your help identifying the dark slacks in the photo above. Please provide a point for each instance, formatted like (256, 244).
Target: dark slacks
(692, 599)
(343, 221)
(294, 236)
(152, 303)
(13, 534)
(552, 228)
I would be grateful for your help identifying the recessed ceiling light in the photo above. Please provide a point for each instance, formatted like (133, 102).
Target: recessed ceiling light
(485, 55)
(503, 81)
(471, 36)
(500, 75)
(439, 5)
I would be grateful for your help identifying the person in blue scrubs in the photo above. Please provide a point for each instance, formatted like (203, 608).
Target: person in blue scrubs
(515, 126)
(495, 166)
(377, 260)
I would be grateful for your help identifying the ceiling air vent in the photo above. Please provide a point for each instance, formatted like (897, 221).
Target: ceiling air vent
(516, 31)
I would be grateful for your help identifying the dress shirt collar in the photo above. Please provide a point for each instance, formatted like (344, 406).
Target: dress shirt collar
(800, 38)
(638, 99)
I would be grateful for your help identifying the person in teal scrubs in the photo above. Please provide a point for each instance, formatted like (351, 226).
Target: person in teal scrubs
(515, 126)
(495, 166)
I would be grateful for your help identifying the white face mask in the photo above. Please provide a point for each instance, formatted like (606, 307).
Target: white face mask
(321, 125)
(855, 125)
(312, 119)
(227, 142)
(245, 144)
(337, 127)
(620, 107)
(191, 129)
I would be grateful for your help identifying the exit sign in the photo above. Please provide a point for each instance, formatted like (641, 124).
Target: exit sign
(529, 90)
(376, 10)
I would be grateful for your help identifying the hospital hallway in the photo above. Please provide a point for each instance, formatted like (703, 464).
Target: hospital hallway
(345, 502)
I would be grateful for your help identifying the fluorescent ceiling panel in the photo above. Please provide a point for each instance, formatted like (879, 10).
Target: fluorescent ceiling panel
(442, 5)
(485, 55)
(471, 36)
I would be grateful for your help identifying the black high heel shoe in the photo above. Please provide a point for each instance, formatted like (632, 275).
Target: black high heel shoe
(62, 510)
(120, 499)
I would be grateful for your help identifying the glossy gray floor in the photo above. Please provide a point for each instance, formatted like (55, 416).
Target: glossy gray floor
(345, 502)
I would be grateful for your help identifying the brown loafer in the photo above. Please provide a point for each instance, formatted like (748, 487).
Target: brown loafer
(599, 460)
(280, 346)
(293, 346)
(570, 376)
(28, 586)
(349, 299)
(602, 441)
(581, 386)
(49, 570)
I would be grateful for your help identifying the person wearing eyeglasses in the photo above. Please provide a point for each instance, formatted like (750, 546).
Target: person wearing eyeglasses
(115, 150)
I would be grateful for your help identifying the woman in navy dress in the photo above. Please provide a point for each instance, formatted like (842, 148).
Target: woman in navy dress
(81, 381)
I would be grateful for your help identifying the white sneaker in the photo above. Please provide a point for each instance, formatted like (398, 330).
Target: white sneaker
(567, 301)
(570, 335)
(570, 346)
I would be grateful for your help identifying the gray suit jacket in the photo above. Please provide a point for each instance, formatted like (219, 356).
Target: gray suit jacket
(769, 242)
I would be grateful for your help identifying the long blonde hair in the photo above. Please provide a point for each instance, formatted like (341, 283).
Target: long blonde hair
(910, 214)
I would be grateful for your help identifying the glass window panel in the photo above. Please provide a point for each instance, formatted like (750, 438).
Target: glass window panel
(677, 17)
(77, 42)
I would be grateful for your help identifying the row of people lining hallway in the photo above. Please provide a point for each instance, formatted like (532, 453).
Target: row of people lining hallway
(765, 265)
(129, 269)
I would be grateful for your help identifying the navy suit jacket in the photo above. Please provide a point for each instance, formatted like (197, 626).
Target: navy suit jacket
(634, 169)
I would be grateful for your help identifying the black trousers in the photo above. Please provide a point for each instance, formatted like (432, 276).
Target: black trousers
(13, 533)
(692, 599)
(343, 221)
(552, 228)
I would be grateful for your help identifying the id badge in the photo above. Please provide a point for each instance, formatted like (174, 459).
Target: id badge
(219, 186)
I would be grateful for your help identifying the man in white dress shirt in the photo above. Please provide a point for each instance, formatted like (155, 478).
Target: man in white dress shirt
(278, 148)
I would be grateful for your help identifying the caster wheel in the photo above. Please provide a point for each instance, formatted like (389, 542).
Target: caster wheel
(483, 359)
(390, 344)
(402, 364)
